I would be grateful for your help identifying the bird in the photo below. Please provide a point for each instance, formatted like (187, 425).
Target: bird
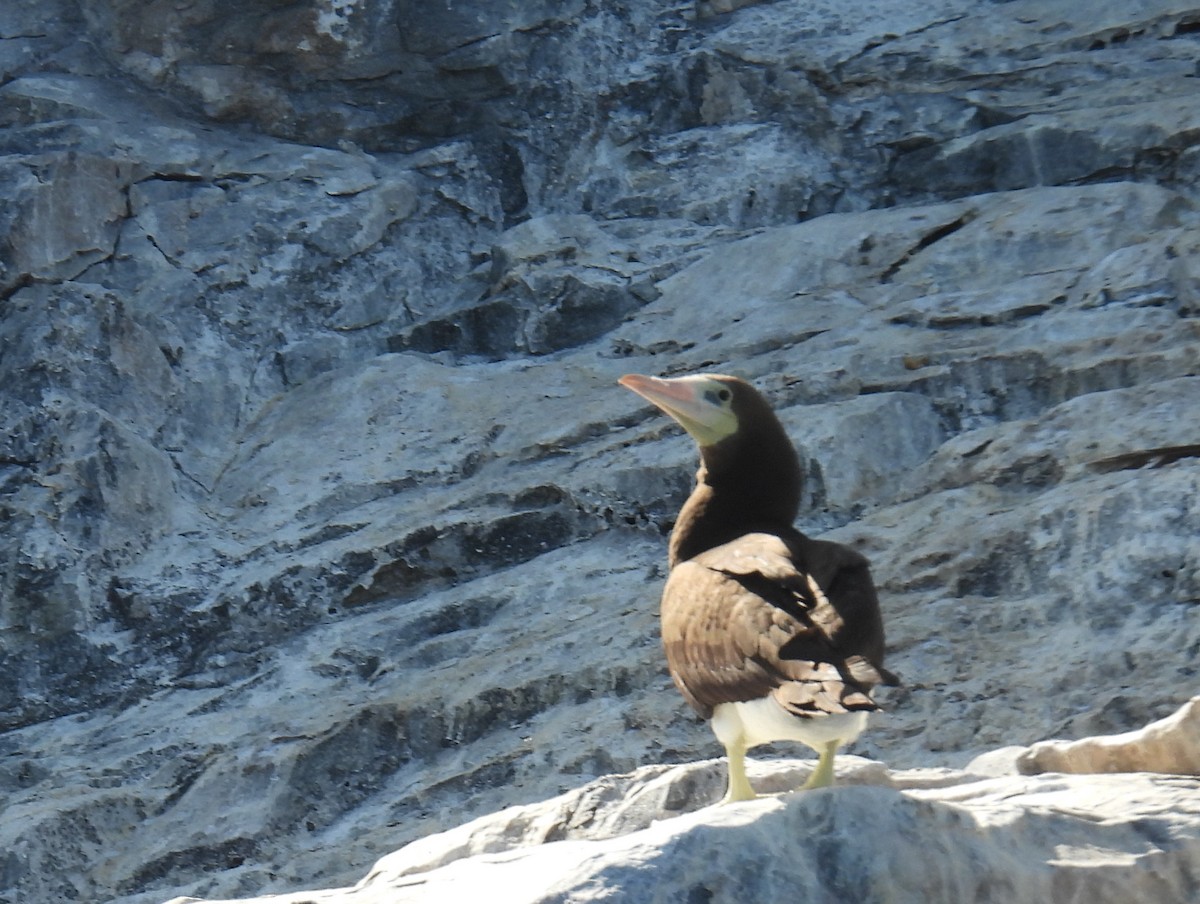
(769, 634)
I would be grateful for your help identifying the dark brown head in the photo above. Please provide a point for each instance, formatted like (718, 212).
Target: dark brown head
(751, 478)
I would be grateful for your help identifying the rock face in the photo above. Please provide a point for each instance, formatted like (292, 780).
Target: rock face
(909, 836)
(325, 526)
(1170, 745)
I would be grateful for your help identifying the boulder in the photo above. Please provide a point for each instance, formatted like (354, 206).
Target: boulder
(1170, 745)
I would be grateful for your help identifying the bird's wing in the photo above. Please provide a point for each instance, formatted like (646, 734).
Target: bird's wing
(742, 621)
(848, 612)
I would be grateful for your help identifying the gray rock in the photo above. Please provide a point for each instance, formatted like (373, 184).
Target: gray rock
(624, 838)
(325, 526)
(65, 215)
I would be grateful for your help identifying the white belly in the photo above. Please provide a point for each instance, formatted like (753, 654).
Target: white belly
(762, 721)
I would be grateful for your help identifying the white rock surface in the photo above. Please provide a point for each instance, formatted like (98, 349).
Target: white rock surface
(918, 835)
(1170, 745)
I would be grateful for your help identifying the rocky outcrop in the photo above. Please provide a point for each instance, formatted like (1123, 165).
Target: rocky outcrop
(325, 527)
(1170, 745)
(914, 835)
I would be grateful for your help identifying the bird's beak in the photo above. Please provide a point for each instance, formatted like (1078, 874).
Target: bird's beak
(686, 399)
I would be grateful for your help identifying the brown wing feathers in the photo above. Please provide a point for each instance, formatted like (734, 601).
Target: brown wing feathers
(741, 621)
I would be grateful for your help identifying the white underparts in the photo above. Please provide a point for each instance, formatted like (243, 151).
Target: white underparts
(754, 722)
(740, 726)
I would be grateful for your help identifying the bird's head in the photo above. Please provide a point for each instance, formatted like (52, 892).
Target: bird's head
(750, 474)
(705, 405)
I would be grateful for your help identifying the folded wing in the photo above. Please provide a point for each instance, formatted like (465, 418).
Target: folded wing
(753, 618)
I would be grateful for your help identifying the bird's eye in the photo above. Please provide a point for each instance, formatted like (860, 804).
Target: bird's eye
(717, 396)
(724, 395)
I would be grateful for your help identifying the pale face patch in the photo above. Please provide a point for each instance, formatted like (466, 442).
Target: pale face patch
(702, 404)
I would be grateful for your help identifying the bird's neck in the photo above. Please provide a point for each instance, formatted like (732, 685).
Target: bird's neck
(729, 502)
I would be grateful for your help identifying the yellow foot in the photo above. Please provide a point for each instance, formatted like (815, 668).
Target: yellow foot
(735, 794)
(822, 776)
(739, 785)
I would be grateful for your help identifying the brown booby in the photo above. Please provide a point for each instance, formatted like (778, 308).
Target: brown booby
(768, 633)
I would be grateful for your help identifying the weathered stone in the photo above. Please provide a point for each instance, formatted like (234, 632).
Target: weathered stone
(65, 215)
(1170, 745)
(326, 526)
(632, 838)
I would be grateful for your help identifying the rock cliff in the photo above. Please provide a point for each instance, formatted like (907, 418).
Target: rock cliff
(325, 526)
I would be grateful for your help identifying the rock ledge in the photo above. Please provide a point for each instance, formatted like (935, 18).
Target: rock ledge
(923, 835)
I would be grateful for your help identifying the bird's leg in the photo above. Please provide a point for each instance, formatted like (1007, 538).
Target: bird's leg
(822, 776)
(739, 785)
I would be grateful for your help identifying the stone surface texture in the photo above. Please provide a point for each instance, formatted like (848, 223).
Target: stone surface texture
(911, 835)
(1170, 745)
(324, 526)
